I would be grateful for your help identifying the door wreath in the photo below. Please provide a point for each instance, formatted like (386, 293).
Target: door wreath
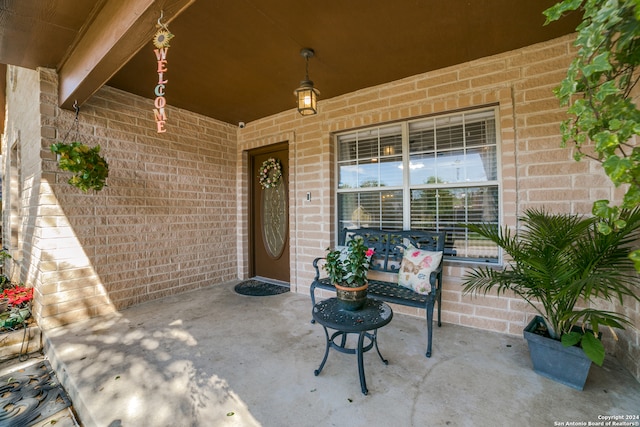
(270, 173)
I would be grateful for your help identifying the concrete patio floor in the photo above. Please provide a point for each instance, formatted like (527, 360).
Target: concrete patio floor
(215, 358)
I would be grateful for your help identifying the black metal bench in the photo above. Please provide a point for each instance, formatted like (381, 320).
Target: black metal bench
(389, 249)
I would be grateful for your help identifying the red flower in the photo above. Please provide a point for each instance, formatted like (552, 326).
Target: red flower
(18, 295)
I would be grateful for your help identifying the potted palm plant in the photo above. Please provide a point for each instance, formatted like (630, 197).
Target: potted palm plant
(347, 269)
(560, 263)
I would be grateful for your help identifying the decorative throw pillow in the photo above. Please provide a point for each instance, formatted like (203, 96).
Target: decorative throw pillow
(416, 269)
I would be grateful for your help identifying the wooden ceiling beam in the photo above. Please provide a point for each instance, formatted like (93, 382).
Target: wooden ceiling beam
(117, 33)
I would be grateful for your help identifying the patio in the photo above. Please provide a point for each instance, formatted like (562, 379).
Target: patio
(213, 357)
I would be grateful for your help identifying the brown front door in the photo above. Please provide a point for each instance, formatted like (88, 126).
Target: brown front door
(269, 217)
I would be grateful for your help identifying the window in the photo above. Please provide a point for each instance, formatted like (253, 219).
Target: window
(427, 174)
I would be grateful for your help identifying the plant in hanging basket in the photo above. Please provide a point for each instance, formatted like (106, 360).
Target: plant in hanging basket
(90, 170)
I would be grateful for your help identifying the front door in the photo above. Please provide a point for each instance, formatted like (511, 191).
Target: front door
(269, 222)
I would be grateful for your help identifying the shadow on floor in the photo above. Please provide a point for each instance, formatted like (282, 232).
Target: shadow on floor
(213, 357)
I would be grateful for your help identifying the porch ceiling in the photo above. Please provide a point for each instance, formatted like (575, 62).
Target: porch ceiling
(239, 60)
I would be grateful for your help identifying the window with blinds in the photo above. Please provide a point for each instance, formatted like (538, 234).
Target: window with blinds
(430, 174)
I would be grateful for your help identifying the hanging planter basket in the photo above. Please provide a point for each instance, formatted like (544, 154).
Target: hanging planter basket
(90, 170)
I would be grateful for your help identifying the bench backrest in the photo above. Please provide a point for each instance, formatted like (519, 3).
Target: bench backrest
(389, 245)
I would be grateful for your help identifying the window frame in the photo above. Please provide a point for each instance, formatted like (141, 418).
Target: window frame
(406, 188)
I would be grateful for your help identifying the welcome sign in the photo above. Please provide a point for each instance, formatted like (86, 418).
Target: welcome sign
(161, 42)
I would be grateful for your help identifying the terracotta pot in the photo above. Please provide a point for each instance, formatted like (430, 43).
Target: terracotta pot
(352, 299)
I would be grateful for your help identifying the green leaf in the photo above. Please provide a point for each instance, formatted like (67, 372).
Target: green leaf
(617, 168)
(606, 89)
(635, 257)
(572, 338)
(619, 224)
(605, 140)
(602, 209)
(604, 228)
(593, 348)
(555, 12)
(632, 197)
(597, 65)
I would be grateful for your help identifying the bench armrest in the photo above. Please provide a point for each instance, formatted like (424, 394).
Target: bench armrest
(436, 278)
(317, 267)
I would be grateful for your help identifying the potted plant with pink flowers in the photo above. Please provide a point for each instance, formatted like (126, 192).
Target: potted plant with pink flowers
(347, 268)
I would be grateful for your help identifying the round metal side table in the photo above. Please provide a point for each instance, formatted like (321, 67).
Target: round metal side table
(364, 322)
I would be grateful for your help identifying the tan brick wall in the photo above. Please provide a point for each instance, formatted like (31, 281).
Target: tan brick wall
(536, 171)
(165, 224)
(20, 164)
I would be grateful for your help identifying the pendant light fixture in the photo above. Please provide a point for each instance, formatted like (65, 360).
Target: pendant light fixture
(307, 95)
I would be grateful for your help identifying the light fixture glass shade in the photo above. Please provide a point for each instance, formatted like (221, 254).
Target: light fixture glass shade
(307, 98)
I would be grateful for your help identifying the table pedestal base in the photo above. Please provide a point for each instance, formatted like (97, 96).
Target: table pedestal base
(360, 349)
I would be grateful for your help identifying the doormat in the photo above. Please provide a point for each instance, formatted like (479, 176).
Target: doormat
(30, 395)
(257, 288)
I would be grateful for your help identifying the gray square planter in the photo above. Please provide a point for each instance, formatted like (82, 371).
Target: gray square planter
(566, 365)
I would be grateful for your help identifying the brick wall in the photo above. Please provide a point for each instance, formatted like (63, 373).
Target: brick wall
(536, 171)
(165, 224)
(21, 164)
